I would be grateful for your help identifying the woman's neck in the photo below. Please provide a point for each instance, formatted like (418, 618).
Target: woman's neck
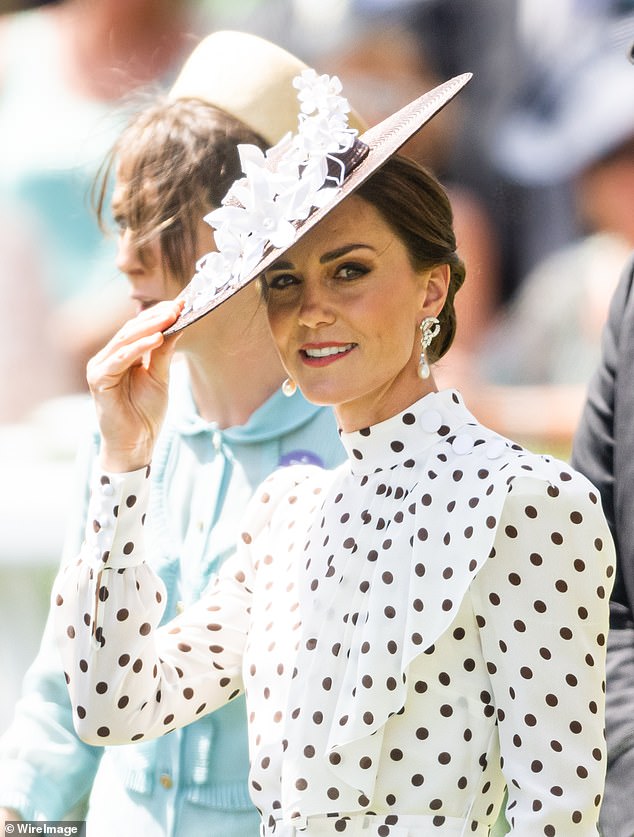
(383, 403)
(228, 385)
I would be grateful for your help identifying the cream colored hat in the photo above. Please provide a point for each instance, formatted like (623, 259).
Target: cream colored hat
(291, 189)
(248, 77)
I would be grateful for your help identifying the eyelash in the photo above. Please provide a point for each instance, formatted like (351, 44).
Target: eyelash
(275, 283)
(357, 269)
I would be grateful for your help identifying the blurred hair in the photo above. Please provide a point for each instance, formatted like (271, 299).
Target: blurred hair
(415, 205)
(176, 160)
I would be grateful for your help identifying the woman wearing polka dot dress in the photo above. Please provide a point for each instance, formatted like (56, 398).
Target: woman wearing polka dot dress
(414, 631)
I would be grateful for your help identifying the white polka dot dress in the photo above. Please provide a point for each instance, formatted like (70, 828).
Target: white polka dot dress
(414, 631)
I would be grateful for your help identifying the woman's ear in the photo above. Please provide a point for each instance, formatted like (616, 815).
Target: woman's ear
(435, 289)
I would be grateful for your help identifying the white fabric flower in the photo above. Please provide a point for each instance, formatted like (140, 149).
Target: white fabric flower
(279, 188)
(318, 92)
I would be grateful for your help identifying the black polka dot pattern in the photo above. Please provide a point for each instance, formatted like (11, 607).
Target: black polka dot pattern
(413, 631)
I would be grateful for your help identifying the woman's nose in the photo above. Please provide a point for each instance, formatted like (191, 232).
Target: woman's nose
(315, 307)
(128, 259)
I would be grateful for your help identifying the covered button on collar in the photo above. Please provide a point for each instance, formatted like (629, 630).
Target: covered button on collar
(463, 443)
(496, 448)
(431, 421)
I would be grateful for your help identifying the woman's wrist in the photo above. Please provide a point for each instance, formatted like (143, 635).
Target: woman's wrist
(125, 460)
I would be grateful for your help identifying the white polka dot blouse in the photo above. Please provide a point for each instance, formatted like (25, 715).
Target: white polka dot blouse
(414, 631)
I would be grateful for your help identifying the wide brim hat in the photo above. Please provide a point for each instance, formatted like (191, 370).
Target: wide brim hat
(367, 154)
(575, 112)
(248, 77)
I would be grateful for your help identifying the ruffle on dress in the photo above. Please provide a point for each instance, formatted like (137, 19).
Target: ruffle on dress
(405, 575)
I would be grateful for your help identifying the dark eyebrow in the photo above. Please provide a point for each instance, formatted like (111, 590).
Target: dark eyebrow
(341, 251)
(327, 257)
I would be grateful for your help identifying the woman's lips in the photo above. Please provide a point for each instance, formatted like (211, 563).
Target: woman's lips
(323, 354)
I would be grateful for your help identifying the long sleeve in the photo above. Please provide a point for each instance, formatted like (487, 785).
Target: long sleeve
(593, 448)
(45, 769)
(541, 603)
(603, 443)
(484, 572)
(129, 679)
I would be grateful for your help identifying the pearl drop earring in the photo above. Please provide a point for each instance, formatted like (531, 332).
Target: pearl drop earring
(429, 328)
(289, 387)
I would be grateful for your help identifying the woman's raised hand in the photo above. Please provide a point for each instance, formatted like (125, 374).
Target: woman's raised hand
(128, 380)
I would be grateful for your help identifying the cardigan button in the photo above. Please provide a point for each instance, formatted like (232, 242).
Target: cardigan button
(166, 781)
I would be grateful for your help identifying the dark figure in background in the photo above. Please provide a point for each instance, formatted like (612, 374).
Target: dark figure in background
(603, 450)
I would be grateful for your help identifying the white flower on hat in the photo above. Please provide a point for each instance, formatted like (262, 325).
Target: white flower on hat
(279, 189)
(324, 114)
(319, 93)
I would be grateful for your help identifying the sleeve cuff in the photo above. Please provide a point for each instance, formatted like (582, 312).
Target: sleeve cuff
(116, 518)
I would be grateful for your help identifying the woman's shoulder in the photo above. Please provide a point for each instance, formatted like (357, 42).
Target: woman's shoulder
(540, 486)
(496, 460)
(518, 463)
(541, 475)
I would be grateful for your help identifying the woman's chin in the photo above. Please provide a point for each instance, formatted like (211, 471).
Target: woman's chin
(323, 396)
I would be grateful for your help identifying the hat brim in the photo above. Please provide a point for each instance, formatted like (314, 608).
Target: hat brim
(383, 141)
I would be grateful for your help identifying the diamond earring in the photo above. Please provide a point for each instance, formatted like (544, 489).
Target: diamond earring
(429, 328)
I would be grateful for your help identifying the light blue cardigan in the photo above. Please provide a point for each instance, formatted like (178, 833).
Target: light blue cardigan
(194, 781)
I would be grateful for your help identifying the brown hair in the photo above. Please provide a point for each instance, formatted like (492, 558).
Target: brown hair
(177, 159)
(415, 205)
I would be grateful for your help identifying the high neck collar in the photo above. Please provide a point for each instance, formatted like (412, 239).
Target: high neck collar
(394, 441)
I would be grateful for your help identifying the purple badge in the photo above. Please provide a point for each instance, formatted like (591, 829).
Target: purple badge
(300, 457)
